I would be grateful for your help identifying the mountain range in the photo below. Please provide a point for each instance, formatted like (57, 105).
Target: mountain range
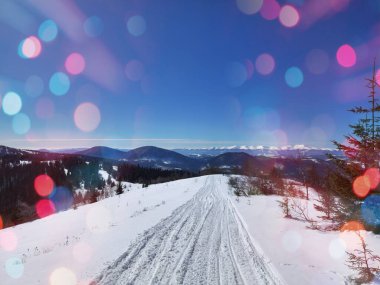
(187, 159)
(147, 156)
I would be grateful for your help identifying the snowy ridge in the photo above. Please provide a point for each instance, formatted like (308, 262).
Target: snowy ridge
(261, 147)
(268, 151)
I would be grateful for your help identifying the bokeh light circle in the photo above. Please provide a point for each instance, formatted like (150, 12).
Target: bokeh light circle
(265, 64)
(370, 210)
(289, 16)
(317, 61)
(45, 208)
(30, 47)
(136, 25)
(8, 240)
(337, 248)
(327, 121)
(75, 63)
(361, 186)
(134, 70)
(249, 7)
(87, 117)
(62, 198)
(45, 108)
(291, 241)
(63, 276)
(261, 120)
(34, 86)
(44, 185)
(249, 66)
(98, 219)
(48, 31)
(14, 267)
(21, 124)
(236, 74)
(12, 103)
(270, 9)
(352, 226)
(93, 26)
(59, 83)
(294, 77)
(346, 56)
(378, 77)
(82, 252)
(373, 176)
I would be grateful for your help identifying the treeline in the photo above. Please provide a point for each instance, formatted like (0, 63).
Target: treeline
(146, 176)
(76, 181)
(17, 192)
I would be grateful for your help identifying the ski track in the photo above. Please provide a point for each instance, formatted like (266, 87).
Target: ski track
(202, 242)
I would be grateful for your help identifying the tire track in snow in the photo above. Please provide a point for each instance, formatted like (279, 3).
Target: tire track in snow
(202, 242)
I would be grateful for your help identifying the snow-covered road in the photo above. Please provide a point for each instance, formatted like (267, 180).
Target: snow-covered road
(202, 242)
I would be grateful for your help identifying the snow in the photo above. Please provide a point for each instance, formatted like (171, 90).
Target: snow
(301, 255)
(189, 231)
(202, 242)
(300, 146)
(261, 147)
(104, 174)
(86, 240)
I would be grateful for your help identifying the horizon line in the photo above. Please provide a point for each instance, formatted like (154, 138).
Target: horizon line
(231, 145)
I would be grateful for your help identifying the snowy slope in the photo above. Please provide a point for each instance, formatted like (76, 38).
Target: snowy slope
(301, 255)
(190, 230)
(86, 240)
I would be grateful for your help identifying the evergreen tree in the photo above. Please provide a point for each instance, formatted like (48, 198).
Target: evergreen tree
(362, 151)
(277, 178)
(363, 145)
(119, 189)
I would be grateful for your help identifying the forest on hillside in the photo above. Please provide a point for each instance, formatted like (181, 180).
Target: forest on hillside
(33, 189)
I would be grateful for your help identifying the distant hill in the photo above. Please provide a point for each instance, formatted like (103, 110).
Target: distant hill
(158, 157)
(269, 151)
(10, 153)
(5, 150)
(147, 156)
(290, 167)
(103, 152)
(228, 161)
(64, 150)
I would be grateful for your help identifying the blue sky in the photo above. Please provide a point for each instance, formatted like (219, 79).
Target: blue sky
(183, 73)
